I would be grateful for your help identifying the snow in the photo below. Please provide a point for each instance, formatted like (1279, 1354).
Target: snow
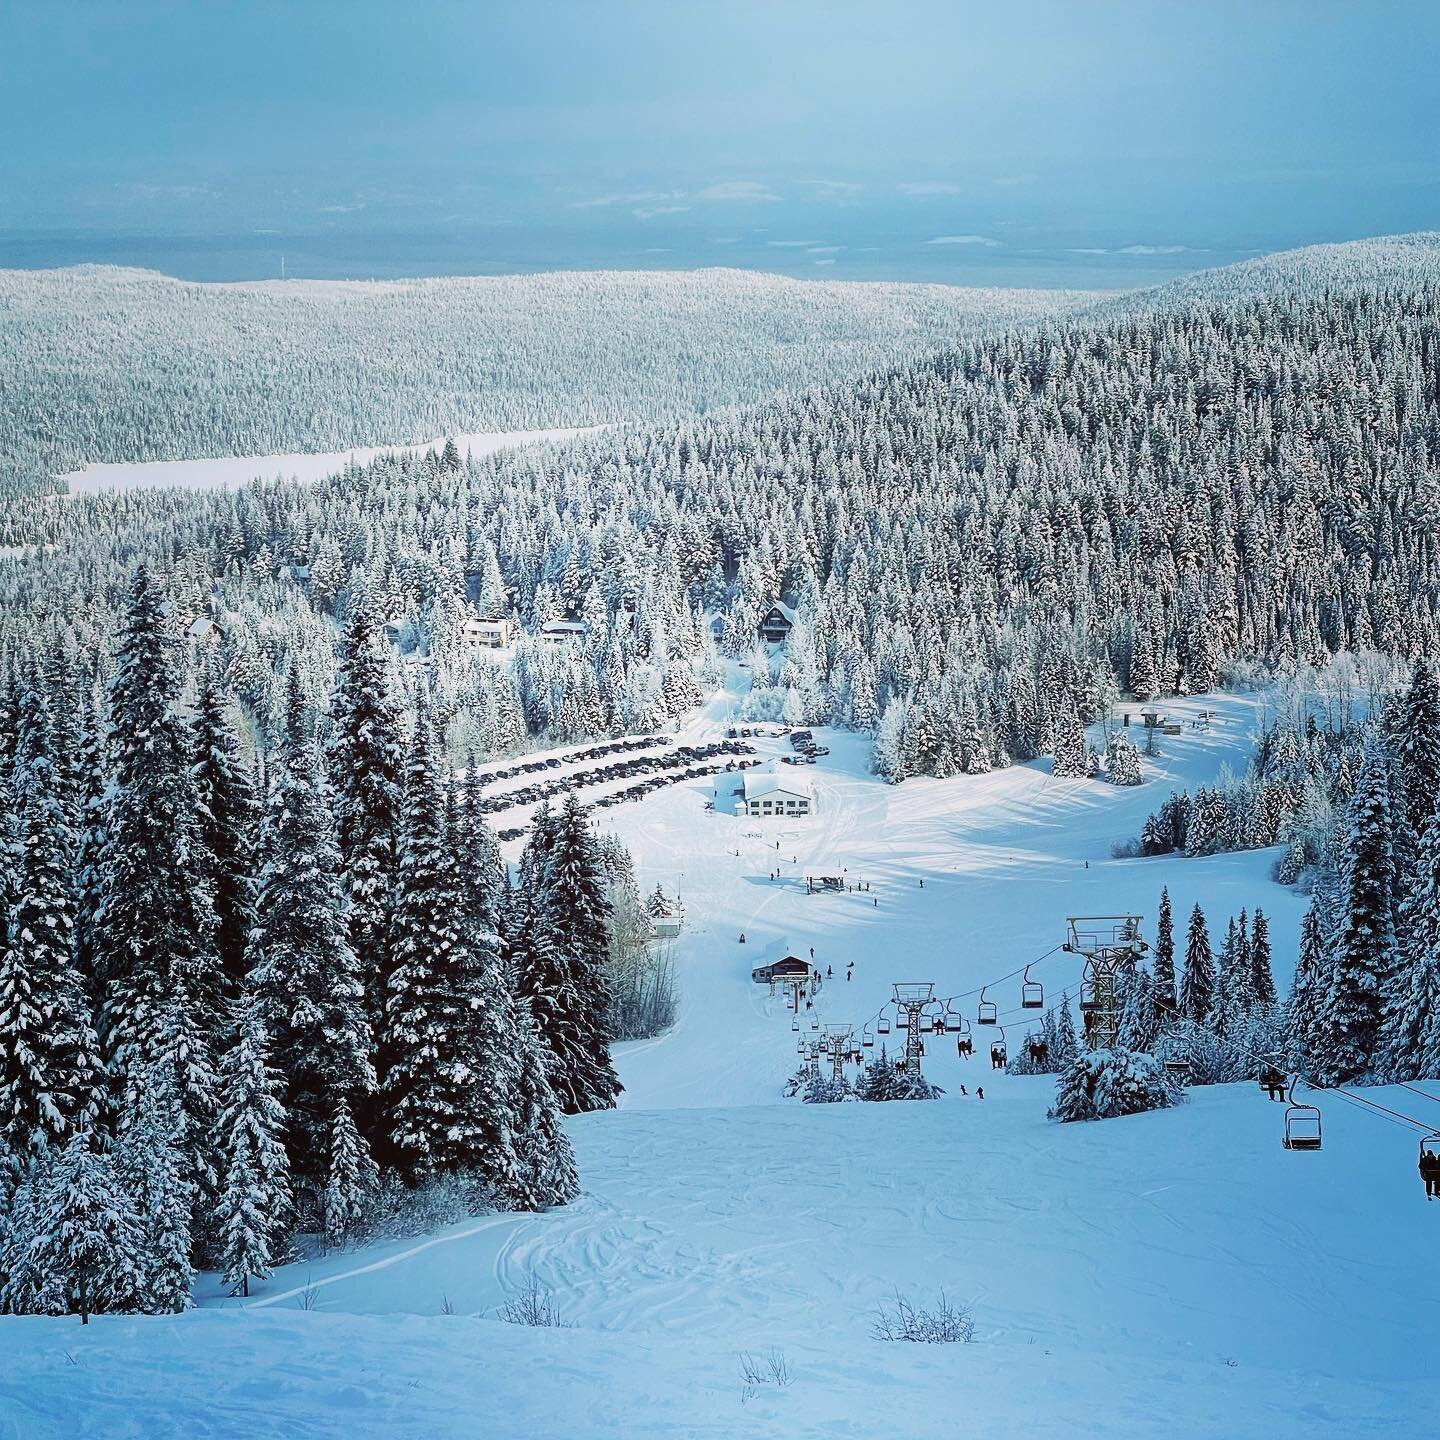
(240, 470)
(1174, 1272)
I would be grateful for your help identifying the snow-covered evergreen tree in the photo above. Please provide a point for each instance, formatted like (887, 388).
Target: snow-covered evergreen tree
(1122, 761)
(253, 1210)
(302, 968)
(1197, 989)
(1410, 1036)
(1365, 952)
(544, 1165)
(1101, 1084)
(1164, 976)
(351, 1177)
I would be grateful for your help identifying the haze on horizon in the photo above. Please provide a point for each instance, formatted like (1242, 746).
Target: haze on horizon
(1039, 143)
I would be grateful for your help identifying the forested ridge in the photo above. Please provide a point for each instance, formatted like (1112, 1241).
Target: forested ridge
(106, 364)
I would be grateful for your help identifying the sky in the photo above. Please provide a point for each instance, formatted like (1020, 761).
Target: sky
(1098, 142)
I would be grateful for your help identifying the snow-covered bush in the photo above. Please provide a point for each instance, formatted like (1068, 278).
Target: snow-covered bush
(944, 1323)
(1221, 1059)
(1101, 1084)
(815, 1087)
(884, 1079)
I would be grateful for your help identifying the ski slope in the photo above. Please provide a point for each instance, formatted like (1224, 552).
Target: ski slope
(1174, 1273)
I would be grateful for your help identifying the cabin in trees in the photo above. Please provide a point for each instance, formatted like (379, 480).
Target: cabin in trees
(487, 634)
(777, 622)
(767, 792)
(667, 916)
(563, 632)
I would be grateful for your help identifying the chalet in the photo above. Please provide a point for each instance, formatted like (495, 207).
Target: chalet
(202, 630)
(792, 967)
(563, 632)
(486, 634)
(766, 792)
(777, 622)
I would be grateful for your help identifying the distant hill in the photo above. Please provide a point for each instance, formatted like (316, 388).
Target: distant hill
(1385, 260)
(112, 364)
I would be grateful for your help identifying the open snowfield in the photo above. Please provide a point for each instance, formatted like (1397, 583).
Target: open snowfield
(1173, 1274)
(237, 470)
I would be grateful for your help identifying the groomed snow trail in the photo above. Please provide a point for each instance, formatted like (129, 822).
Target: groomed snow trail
(1175, 1273)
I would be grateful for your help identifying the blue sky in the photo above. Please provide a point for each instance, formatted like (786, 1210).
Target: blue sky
(1035, 141)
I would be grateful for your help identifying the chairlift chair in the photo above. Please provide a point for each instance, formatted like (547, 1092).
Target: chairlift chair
(814, 1022)
(954, 1021)
(795, 1022)
(988, 1013)
(1089, 990)
(867, 1039)
(1302, 1124)
(999, 1056)
(882, 1025)
(1032, 993)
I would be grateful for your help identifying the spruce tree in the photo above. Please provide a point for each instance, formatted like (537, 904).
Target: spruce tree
(154, 927)
(228, 820)
(1410, 1041)
(88, 1240)
(1365, 945)
(1197, 990)
(1417, 747)
(432, 1086)
(51, 1078)
(254, 1204)
(151, 1165)
(366, 763)
(544, 1166)
(1262, 974)
(302, 968)
(351, 1177)
(1164, 976)
(1313, 967)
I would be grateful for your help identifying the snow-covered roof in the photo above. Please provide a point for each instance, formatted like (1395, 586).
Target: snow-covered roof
(784, 609)
(564, 627)
(200, 627)
(759, 783)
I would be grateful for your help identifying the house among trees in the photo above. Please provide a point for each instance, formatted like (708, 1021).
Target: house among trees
(767, 792)
(487, 634)
(777, 622)
(563, 632)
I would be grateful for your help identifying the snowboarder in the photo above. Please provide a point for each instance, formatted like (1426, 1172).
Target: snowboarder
(922, 882)
(875, 902)
(829, 972)
(964, 1091)
(849, 974)
(742, 937)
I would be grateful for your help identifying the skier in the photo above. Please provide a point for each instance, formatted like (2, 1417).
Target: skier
(964, 1091)
(812, 952)
(849, 974)
(829, 972)
(922, 882)
(875, 902)
(979, 1092)
(742, 937)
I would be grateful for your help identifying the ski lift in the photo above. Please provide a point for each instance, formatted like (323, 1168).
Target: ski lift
(1037, 1049)
(964, 1047)
(1089, 990)
(867, 1039)
(1302, 1123)
(794, 1022)
(882, 1025)
(1179, 1071)
(988, 1013)
(1032, 993)
(999, 1055)
(955, 1022)
(1429, 1150)
(814, 1022)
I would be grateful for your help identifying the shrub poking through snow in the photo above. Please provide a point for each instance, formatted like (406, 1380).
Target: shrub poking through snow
(1100, 1084)
(534, 1305)
(944, 1323)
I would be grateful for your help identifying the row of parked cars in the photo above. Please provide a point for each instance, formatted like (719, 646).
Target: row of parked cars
(714, 754)
(771, 732)
(681, 755)
(595, 752)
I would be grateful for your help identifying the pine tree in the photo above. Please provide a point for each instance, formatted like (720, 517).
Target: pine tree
(1164, 977)
(227, 810)
(366, 763)
(1411, 1034)
(350, 1179)
(1417, 747)
(432, 1083)
(561, 952)
(544, 1167)
(1262, 974)
(1072, 754)
(1365, 946)
(302, 968)
(254, 1204)
(154, 928)
(1313, 968)
(152, 1167)
(51, 1077)
(87, 1238)
(1122, 761)
(1067, 1042)
(1197, 990)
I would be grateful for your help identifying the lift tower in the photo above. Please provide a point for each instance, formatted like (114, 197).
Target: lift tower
(1111, 944)
(911, 998)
